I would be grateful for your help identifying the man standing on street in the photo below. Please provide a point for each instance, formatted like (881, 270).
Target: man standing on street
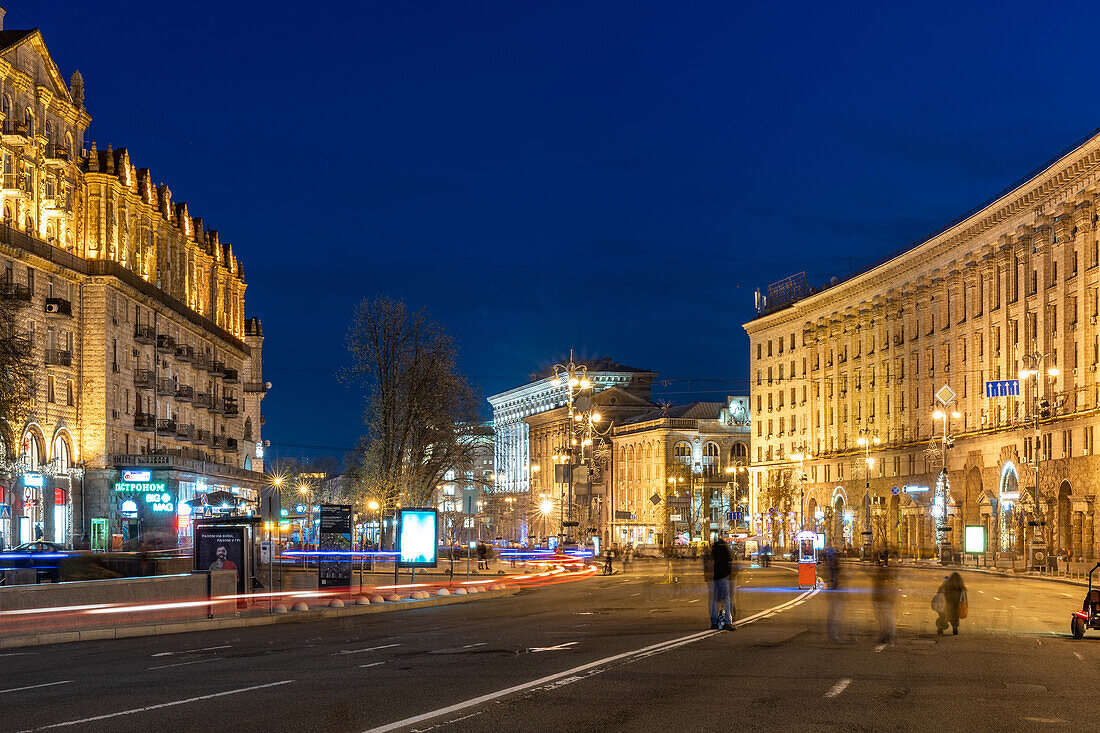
(721, 602)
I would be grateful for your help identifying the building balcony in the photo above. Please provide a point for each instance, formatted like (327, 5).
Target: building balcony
(231, 444)
(205, 400)
(217, 406)
(231, 408)
(145, 379)
(219, 441)
(215, 367)
(58, 156)
(201, 361)
(166, 426)
(166, 344)
(144, 422)
(15, 132)
(17, 292)
(231, 376)
(202, 437)
(145, 335)
(59, 357)
(255, 387)
(59, 307)
(185, 393)
(166, 387)
(184, 432)
(184, 353)
(58, 202)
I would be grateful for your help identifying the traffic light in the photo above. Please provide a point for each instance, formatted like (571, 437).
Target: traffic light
(1044, 409)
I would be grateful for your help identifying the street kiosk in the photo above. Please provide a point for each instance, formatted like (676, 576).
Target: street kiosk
(807, 558)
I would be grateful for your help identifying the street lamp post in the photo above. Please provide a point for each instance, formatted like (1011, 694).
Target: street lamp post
(946, 414)
(866, 439)
(801, 454)
(1040, 410)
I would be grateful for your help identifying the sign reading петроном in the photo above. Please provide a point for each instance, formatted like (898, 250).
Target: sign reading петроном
(141, 487)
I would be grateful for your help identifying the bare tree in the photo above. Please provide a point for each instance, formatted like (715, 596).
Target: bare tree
(420, 410)
(17, 370)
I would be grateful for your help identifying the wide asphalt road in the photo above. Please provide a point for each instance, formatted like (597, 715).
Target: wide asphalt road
(627, 652)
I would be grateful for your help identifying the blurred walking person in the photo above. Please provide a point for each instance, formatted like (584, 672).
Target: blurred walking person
(884, 593)
(835, 624)
(722, 612)
(954, 604)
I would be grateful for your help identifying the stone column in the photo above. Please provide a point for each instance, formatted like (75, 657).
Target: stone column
(1076, 524)
(1088, 548)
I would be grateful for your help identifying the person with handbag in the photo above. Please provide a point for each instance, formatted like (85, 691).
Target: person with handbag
(950, 602)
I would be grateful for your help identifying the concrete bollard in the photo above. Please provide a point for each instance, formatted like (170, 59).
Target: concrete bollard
(393, 598)
(362, 601)
(377, 599)
(460, 591)
(278, 608)
(299, 606)
(336, 603)
(443, 592)
(472, 589)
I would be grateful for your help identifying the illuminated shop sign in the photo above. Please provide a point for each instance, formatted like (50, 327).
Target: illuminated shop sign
(140, 476)
(141, 488)
(33, 479)
(160, 503)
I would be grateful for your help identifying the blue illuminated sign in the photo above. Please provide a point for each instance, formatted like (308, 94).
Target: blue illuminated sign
(417, 537)
(1003, 388)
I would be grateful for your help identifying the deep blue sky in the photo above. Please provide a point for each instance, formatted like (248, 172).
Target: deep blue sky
(613, 177)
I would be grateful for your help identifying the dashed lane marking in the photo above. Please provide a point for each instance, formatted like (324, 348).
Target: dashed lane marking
(838, 688)
(1078, 655)
(368, 649)
(880, 647)
(997, 599)
(35, 687)
(184, 664)
(173, 703)
(191, 651)
(372, 664)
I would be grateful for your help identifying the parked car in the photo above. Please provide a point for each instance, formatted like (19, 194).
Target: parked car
(44, 557)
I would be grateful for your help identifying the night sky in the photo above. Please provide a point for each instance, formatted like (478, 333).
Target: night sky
(613, 177)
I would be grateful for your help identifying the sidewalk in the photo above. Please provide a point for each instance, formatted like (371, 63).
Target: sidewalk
(1002, 572)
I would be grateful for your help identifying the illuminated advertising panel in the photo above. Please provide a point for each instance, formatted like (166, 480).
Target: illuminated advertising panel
(975, 539)
(417, 537)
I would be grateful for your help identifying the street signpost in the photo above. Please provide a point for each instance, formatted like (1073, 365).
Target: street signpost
(1002, 388)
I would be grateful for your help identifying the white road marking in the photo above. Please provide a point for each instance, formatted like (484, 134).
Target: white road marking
(471, 646)
(35, 687)
(191, 651)
(555, 648)
(634, 594)
(184, 664)
(637, 653)
(838, 687)
(1078, 655)
(17, 654)
(981, 591)
(694, 600)
(997, 599)
(147, 708)
(372, 664)
(1067, 595)
(368, 649)
(880, 647)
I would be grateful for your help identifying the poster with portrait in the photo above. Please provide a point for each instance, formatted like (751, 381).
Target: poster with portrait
(334, 545)
(417, 537)
(222, 548)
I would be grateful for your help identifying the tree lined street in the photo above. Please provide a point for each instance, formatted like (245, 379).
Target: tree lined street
(616, 652)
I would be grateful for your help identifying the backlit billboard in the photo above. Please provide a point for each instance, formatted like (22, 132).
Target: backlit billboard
(417, 537)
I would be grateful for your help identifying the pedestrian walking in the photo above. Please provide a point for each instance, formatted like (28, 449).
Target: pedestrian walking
(951, 603)
(482, 551)
(835, 624)
(884, 592)
(722, 612)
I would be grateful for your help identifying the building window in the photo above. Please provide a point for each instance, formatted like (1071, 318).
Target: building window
(49, 389)
(711, 460)
(69, 397)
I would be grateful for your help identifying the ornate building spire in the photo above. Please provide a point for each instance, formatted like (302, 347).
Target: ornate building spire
(76, 83)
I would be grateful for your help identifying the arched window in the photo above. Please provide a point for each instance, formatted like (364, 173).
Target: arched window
(7, 107)
(648, 461)
(69, 143)
(62, 456)
(682, 452)
(248, 428)
(49, 131)
(32, 450)
(28, 119)
(631, 466)
(711, 459)
(739, 451)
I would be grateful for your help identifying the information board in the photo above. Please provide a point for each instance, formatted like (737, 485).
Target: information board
(334, 570)
(417, 537)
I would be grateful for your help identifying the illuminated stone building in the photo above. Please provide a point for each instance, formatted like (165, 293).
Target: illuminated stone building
(677, 470)
(150, 375)
(529, 424)
(865, 357)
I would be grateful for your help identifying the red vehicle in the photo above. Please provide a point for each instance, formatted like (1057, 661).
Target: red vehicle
(1089, 615)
